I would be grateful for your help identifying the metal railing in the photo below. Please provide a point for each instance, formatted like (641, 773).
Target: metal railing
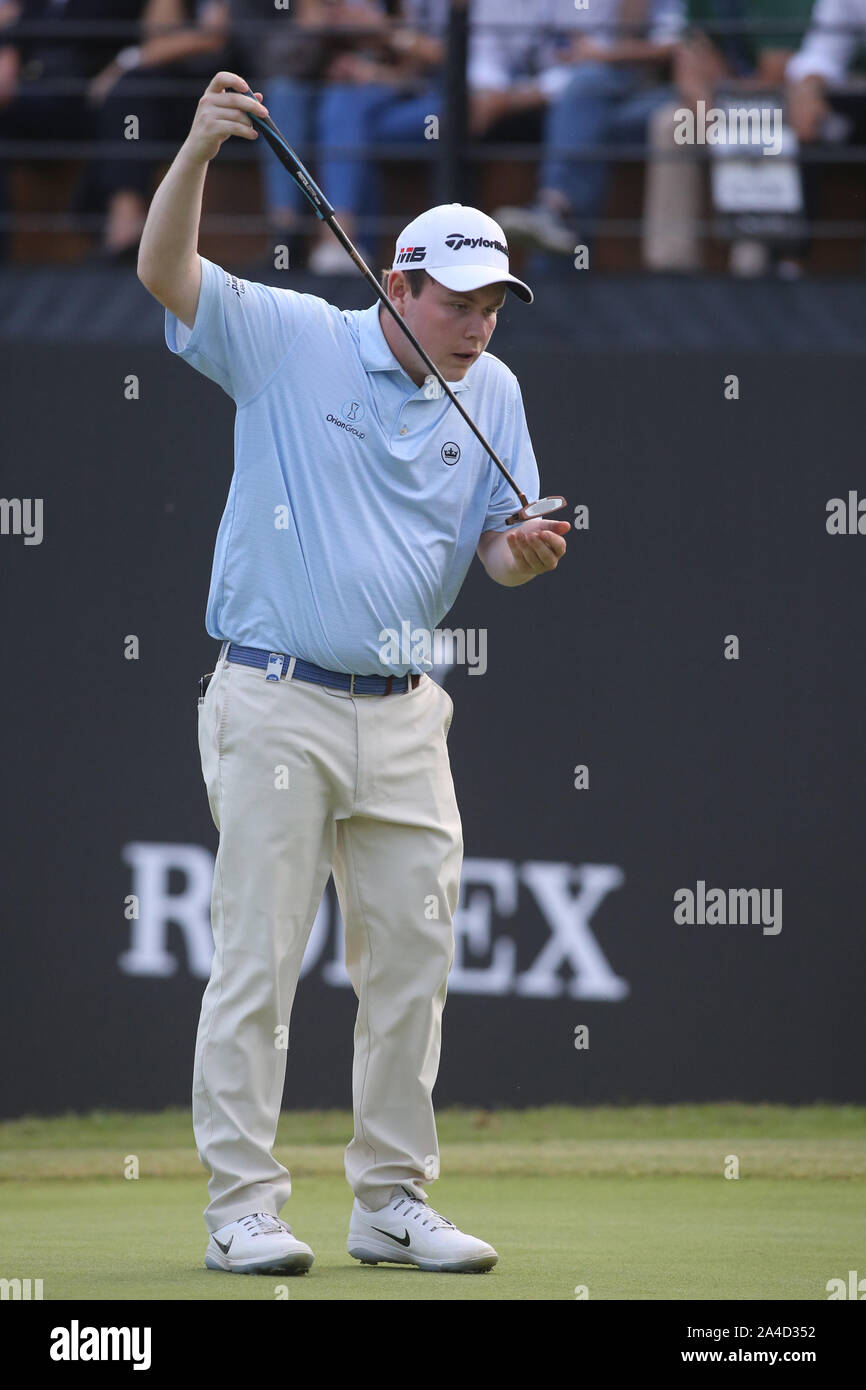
(454, 159)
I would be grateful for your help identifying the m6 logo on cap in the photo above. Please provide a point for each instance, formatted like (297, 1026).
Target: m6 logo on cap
(410, 253)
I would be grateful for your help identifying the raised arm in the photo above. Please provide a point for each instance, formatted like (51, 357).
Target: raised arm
(168, 260)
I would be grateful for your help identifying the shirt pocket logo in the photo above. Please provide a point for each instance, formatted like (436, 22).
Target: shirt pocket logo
(450, 453)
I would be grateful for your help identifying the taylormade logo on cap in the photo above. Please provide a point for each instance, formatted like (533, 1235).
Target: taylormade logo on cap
(457, 241)
(460, 247)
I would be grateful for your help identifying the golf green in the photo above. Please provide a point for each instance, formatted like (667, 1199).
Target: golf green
(605, 1204)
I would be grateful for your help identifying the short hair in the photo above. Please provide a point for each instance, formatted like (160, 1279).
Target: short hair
(417, 279)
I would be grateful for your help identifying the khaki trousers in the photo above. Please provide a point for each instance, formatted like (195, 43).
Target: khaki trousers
(302, 779)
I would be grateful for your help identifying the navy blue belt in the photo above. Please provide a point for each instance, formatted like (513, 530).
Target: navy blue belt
(278, 665)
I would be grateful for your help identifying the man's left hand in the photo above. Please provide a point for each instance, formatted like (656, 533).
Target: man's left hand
(537, 546)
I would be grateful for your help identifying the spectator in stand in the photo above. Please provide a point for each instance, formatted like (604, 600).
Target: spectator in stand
(617, 63)
(159, 80)
(110, 79)
(280, 55)
(822, 105)
(383, 99)
(834, 40)
(45, 69)
(373, 81)
(752, 62)
(516, 64)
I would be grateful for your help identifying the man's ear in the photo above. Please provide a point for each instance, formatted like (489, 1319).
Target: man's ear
(398, 289)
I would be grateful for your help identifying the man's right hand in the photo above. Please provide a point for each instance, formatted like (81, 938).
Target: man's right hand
(168, 262)
(221, 113)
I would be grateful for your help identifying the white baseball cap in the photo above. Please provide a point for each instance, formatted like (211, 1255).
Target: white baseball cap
(462, 248)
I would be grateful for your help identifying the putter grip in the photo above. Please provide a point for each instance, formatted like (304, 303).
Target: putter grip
(287, 157)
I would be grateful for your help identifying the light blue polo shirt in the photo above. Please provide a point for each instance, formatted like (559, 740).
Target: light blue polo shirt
(357, 500)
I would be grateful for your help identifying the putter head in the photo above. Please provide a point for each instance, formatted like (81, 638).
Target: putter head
(543, 507)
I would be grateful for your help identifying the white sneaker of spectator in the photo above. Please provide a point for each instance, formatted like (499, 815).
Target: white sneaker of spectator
(330, 258)
(748, 257)
(537, 225)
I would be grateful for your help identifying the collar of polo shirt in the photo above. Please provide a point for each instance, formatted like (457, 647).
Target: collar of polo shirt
(376, 354)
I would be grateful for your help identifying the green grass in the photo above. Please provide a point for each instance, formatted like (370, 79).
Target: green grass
(631, 1202)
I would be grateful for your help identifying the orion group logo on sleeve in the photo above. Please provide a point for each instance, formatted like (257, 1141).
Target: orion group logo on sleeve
(456, 241)
(233, 283)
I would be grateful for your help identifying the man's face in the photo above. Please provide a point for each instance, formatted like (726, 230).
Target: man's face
(454, 327)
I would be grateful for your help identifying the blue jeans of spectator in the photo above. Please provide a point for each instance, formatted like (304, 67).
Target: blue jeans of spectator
(292, 108)
(603, 104)
(337, 116)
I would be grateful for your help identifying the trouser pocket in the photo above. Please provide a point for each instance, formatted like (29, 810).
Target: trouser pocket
(209, 719)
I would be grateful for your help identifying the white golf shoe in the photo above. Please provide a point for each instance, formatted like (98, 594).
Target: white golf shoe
(257, 1244)
(409, 1232)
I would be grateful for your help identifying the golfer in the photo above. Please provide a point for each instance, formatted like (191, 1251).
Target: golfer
(358, 500)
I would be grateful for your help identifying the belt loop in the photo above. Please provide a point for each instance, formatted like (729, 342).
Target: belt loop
(352, 684)
(388, 683)
(290, 669)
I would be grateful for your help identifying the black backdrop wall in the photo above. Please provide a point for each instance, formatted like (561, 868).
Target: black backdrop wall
(707, 518)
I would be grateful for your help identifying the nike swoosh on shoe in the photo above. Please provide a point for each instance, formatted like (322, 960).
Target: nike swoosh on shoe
(401, 1240)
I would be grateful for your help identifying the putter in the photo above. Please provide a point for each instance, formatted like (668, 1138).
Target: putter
(325, 212)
